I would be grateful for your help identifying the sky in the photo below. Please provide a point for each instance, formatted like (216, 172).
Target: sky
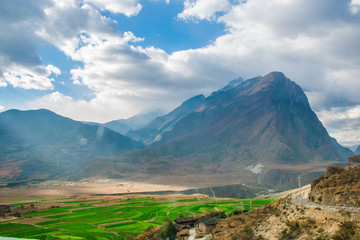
(100, 60)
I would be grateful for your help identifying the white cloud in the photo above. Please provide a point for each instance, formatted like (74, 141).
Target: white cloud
(355, 6)
(105, 106)
(203, 9)
(31, 78)
(126, 7)
(343, 123)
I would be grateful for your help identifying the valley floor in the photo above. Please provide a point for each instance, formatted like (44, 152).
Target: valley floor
(90, 187)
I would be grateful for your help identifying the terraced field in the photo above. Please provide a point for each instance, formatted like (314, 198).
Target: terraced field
(95, 219)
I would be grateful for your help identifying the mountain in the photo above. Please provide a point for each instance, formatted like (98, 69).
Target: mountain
(343, 151)
(41, 144)
(357, 151)
(232, 84)
(138, 121)
(154, 131)
(264, 122)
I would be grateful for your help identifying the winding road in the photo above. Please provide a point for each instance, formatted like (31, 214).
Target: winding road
(305, 202)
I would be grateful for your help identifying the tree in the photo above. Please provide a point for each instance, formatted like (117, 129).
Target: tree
(168, 230)
(354, 159)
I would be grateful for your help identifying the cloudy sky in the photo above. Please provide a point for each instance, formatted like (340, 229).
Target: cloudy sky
(99, 60)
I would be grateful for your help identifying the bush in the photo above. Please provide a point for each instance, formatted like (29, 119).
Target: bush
(168, 230)
(354, 159)
(346, 231)
(334, 170)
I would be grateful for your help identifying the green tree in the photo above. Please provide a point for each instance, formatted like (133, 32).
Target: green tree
(168, 230)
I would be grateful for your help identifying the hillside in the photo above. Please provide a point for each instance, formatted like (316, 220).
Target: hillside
(280, 220)
(339, 187)
(284, 220)
(40, 144)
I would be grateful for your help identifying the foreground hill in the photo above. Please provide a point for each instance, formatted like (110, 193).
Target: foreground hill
(263, 125)
(339, 187)
(42, 144)
(284, 220)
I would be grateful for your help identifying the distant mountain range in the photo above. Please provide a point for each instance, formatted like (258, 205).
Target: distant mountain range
(138, 121)
(155, 130)
(357, 151)
(42, 144)
(260, 129)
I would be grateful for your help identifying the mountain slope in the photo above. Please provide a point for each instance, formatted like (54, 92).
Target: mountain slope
(264, 119)
(154, 131)
(41, 142)
(138, 121)
(343, 151)
(357, 151)
(339, 187)
(264, 122)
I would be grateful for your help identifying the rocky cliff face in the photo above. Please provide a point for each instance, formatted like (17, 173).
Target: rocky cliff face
(339, 187)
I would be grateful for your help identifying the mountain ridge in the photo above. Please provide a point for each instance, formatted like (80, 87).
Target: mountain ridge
(263, 122)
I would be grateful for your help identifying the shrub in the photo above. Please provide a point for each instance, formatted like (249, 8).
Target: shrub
(354, 159)
(346, 231)
(334, 170)
(168, 230)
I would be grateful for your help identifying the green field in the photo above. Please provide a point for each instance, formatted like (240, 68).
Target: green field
(115, 220)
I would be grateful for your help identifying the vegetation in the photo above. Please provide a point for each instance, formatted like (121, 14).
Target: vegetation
(346, 231)
(113, 220)
(339, 187)
(168, 231)
(354, 159)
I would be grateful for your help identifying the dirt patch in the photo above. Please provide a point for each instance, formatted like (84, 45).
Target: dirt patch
(68, 189)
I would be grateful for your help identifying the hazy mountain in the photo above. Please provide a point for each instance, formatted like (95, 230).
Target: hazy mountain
(155, 130)
(357, 151)
(41, 143)
(343, 151)
(353, 148)
(133, 123)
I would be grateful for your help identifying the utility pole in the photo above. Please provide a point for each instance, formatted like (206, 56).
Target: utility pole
(299, 189)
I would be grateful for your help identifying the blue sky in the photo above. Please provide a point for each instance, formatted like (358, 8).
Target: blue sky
(99, 60)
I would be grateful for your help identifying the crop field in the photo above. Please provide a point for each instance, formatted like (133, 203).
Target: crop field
(115, 219)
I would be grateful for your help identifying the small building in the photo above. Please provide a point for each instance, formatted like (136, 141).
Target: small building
(206, 224)
(183, 233)
(7, 208)
(187, 221)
